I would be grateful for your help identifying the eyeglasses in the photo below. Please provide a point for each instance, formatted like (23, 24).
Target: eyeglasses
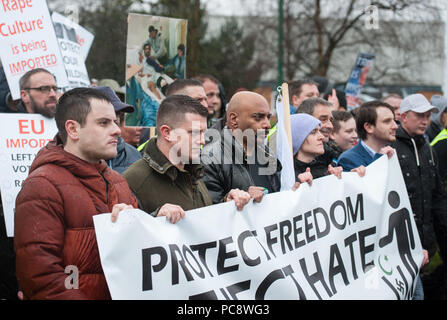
(45, 89)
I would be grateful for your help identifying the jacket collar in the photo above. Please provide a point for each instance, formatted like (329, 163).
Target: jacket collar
(403, 135)
(158, 162)
(362, 152)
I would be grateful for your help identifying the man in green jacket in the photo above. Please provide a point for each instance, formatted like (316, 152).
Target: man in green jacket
(168, 180)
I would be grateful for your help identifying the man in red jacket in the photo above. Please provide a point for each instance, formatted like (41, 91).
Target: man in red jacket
(69, 182)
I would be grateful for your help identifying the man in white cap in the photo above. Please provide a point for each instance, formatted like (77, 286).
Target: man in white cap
(419, 168)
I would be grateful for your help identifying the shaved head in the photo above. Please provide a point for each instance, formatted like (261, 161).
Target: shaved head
(246, 99)
(249, 111)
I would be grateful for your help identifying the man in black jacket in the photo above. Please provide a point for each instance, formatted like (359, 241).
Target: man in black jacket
(419, 168)
(237, 157)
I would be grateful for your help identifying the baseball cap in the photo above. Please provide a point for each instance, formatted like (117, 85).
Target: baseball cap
(416, 103)
(116, 102)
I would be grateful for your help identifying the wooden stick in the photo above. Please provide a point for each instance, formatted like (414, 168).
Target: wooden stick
(286, 113)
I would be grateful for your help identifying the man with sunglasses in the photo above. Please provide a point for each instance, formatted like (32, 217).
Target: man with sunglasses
(38, 92)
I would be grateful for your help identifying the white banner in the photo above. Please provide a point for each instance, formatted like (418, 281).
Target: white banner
(21, 137)
(84, 37)
(353, 238)
(28, 41)
(72, 55)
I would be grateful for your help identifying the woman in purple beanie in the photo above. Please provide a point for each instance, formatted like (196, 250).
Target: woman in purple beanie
(307, 144)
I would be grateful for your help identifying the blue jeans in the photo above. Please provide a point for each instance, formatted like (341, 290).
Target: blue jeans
(419, 290)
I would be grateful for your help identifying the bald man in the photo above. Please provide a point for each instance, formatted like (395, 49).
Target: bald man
(237, 157)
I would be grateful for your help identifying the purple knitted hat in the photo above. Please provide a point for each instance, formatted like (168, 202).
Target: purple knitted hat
(301, 125)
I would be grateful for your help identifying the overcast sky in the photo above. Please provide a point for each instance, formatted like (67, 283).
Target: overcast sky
(228, 7)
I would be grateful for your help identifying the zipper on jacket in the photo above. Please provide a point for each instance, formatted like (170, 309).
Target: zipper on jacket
(107, 187)
(194, 191)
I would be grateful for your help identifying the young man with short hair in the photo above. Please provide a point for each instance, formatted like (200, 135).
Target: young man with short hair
(344, 135)
(376, 129)
(69, 182)
(187, 87)
(301, 90)
(168, 180)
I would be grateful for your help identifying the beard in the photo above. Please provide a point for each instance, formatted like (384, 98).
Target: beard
(43, 110)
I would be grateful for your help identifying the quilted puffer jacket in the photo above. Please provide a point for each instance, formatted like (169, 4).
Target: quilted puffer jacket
(53, 225)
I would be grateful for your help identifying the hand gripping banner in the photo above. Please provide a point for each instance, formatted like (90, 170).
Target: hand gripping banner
(349, 238)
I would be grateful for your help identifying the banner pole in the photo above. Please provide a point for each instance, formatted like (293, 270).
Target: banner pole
(286, 113)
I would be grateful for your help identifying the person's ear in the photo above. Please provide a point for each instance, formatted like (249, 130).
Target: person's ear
(165, 132)
(232, 120)
(295, 100)
(403, 117)
(331, 135)
(72, 128)
(24, 96)
(369, 128)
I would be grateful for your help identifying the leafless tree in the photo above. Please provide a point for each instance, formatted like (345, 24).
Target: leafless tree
(319, 35)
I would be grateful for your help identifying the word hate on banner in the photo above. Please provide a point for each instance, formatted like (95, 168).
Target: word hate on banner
(349, 238)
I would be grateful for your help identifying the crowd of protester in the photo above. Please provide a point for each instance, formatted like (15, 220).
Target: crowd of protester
(96, 164)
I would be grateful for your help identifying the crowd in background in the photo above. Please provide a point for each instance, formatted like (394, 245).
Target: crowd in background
(97, 164)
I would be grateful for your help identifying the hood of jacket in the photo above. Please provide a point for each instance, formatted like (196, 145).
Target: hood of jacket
(439, 102)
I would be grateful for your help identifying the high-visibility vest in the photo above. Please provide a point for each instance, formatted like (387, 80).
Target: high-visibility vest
(441, 136)
(141, 146)
(271, 132)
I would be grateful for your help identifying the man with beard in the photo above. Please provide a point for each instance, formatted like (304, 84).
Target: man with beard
(38, 93)
(238, 158)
